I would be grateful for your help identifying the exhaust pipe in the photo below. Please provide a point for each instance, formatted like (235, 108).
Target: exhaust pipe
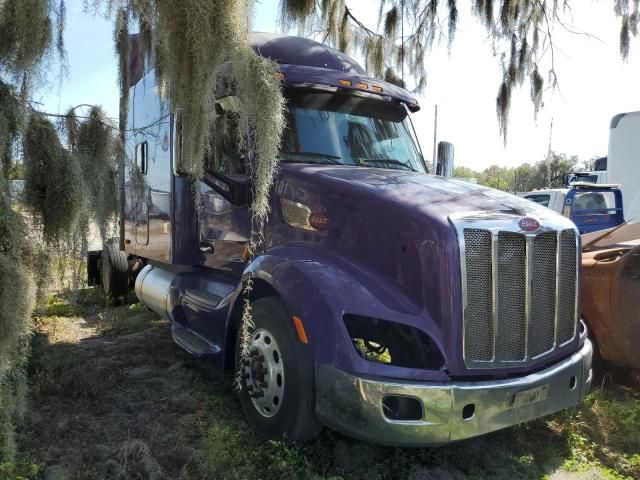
(445, 159)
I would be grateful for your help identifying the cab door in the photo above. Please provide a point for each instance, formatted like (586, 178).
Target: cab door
(225, 220)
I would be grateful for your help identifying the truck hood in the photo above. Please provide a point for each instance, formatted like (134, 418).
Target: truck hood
(436, 196)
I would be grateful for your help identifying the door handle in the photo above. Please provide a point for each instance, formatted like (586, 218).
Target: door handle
(206, 247)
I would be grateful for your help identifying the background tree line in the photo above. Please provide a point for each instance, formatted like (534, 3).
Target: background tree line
(546, 173)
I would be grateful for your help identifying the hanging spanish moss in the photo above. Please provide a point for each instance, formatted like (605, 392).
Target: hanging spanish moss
(93, 143)
(11, 120)
(25, 33)
(53, 180)
(30, 32)
(17, 299)
(629, 14)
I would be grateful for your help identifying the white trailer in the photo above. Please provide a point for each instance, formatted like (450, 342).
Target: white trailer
(623, 164)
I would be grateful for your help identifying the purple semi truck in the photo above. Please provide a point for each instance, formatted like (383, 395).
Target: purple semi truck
(393, 305)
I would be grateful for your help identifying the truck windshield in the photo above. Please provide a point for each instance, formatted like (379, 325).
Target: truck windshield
(338, 129)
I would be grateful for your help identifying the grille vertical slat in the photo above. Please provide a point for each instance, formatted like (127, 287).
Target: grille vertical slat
(520, 292)
(511, 298)
(543, 294)
(567, 287)
(478, 313)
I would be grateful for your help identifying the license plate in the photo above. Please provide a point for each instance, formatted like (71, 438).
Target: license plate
(533, 395)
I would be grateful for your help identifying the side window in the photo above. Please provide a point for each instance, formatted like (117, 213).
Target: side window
(594, 201)
(226, 156)
(540, 199)
(142, 157)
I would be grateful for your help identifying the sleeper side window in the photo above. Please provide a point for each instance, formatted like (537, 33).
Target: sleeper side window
(142, 157)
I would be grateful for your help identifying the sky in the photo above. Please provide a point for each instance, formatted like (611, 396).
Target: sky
(594, 84)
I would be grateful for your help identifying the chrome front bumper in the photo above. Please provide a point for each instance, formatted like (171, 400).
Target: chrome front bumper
(353, 404)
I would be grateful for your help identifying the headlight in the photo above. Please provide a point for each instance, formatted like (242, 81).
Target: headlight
(298, 215)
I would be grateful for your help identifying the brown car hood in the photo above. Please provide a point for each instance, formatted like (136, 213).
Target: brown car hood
(611, 293)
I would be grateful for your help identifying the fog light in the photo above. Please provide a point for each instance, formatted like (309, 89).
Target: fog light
(401, 408)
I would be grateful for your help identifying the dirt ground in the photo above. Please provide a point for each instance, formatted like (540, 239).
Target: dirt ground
(112, 397)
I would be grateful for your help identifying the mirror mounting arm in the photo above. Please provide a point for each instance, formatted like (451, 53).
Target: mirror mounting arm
(235, 190)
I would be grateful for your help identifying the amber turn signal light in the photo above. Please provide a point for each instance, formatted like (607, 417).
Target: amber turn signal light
(302, 335)
(319, 221)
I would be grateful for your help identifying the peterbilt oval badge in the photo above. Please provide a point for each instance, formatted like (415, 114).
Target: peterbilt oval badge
(529, 224)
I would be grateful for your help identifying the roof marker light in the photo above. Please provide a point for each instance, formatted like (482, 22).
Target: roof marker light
(376, 88)
(362, 85)
(346, 83)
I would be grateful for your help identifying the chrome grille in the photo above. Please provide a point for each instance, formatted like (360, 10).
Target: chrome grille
(519, 295)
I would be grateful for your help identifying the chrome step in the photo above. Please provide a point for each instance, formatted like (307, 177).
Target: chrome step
(193, 343)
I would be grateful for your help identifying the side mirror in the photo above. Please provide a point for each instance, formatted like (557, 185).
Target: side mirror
(236, 190)
(444, 166)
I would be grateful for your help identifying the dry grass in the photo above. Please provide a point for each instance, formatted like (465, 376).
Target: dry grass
(113, 398)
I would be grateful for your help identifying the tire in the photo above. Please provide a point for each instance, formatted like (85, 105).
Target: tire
(114, 273)
(292, 418)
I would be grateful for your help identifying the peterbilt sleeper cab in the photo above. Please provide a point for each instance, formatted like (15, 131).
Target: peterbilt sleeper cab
(394, 305)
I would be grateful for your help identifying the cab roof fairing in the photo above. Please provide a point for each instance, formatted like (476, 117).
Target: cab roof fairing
(323, 79)
(311, 77)
(305, 61)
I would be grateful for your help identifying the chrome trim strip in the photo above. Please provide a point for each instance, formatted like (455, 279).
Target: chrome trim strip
(527, 299)
(557, 312)
(494, 290)
(577, 287)
(463, 278)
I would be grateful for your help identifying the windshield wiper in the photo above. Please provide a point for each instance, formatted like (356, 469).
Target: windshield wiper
(391, 161)
(328, 158)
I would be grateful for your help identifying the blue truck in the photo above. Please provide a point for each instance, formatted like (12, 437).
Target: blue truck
(394, 305)
(591, 206)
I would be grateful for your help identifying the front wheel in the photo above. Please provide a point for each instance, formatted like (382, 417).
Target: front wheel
(277, 377)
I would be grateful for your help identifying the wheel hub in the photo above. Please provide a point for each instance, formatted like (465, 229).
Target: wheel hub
(263, 373)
